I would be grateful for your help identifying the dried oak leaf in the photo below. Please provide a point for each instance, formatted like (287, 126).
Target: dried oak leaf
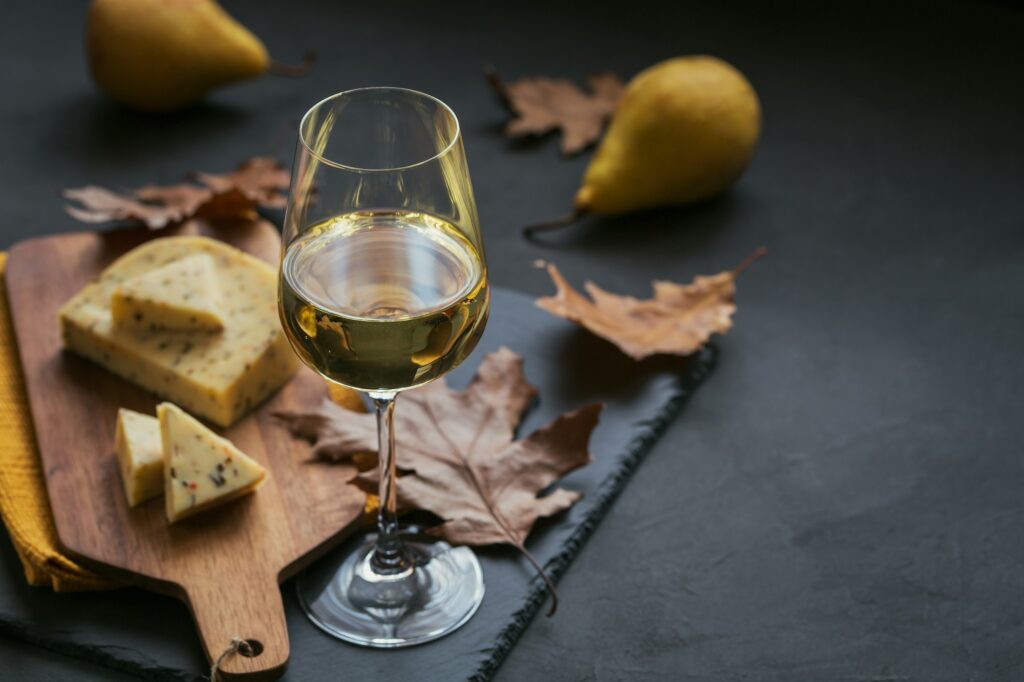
(230, 197)
(262, 179)
(544, 104)
(679, 319)
(459, 448)
(155, 206)
(230, 205)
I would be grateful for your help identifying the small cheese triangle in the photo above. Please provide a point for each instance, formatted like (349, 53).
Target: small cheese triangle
(182, 295)
(201, 469)
(140, 454)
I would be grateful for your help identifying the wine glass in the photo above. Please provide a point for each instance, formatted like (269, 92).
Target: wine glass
(383, 287)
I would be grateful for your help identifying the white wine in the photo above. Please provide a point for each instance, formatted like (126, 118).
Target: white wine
(383, 301)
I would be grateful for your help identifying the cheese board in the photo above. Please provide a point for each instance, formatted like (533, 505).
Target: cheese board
(225, 564)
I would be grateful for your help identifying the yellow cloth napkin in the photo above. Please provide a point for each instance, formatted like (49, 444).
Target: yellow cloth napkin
(24, 504)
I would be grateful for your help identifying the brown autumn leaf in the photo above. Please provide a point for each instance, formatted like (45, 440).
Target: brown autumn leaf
(184, 199)
(678, 320)
(262, 179)
(459, 448)
(543, 104)
(228, 206)
(99, 205)
(230, 197)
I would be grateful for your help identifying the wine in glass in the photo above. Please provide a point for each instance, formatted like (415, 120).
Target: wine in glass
(383, 287)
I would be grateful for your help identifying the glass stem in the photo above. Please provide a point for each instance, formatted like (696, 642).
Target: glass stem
(389, 556)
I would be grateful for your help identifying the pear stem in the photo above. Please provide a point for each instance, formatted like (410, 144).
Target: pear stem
(294, 70)
(551, 225)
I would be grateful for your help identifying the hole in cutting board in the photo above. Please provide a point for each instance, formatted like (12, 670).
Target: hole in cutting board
(253, 648)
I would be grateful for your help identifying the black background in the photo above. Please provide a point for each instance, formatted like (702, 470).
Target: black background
(844, 499)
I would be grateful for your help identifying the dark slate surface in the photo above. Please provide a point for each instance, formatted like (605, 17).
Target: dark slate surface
(27, 663)
(842, 501)
(571, 368)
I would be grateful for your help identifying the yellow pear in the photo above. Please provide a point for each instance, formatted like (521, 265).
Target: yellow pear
(683, 131)
(160, 55)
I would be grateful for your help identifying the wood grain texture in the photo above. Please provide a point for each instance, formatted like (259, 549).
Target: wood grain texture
(226, 564)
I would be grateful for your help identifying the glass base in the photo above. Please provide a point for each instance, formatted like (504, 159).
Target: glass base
(437, 595)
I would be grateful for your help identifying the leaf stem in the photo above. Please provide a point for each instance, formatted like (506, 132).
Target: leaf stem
(749, 260)
(494, 80)
(543, 576)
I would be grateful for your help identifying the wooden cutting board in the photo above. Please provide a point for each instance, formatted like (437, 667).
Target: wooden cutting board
(225, 564)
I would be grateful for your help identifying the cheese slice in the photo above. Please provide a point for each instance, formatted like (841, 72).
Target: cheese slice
(217, 376)
(183, 295)
(140, 454)
(201, 469)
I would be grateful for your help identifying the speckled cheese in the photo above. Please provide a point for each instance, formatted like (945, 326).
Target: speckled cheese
(217, 376)
(182, 295)
(140, 454)
(201, 469)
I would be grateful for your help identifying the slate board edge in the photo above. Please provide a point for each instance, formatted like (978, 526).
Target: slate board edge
(696, 372)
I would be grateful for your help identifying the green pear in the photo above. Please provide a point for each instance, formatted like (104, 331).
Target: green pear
(161, 55)
(683, 132)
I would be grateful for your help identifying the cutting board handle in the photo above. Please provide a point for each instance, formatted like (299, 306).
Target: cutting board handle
(250, 610)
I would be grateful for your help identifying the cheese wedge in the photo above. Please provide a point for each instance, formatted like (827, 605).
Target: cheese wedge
(182, 295)
(217, 376)
(201, 469)
(140, 454)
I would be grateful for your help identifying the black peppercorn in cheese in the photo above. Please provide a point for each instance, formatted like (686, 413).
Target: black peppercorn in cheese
(201, 469)
(182, 295)
(217, 376)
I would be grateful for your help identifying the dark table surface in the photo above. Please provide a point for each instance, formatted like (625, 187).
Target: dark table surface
(844, 499)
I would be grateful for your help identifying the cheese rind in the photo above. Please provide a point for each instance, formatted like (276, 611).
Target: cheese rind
(201, 469)
(140, 455)
(217, 376)
(182, 295)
